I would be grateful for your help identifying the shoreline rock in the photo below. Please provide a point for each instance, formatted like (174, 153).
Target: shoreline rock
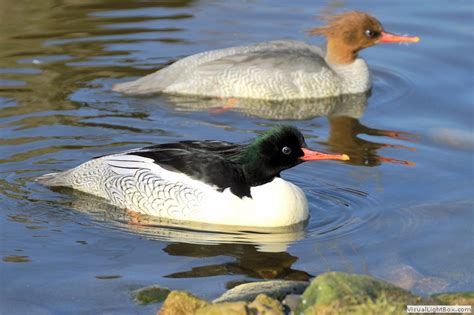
(277, 289)
(328, 293)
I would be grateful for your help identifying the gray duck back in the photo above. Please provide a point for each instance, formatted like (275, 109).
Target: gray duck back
(272, 70)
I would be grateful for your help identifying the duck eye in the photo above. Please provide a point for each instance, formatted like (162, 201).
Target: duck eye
(286, 150)
(371, 34)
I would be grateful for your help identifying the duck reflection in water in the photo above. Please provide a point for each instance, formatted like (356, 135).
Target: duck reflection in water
(260, 254)
(247, 260)
(343, 113)
(344, 135)
(263, 239)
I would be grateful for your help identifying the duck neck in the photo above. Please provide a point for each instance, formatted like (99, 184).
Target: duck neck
(352, 71)
(256, 175)
(338, 53)
(253, 166)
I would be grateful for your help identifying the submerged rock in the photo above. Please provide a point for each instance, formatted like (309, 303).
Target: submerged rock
(277, 289)
(428, 285)
(152, 294)
(181, 303)
(455, 138)
(408, 278)
(339, 292)
(403, 276)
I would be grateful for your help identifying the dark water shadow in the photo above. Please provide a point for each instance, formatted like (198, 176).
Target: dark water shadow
(246, 260)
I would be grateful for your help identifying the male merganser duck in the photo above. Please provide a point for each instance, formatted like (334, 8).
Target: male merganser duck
(277, 70)
(213, 182)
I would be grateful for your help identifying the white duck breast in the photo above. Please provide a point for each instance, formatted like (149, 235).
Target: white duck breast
(275, 70)
(139, 184)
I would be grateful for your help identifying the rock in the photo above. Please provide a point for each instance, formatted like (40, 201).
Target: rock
(403, 276)
(16, 259)
(406, 277)
(265, 305)
(228, 308)
(456, 138)
(460, 298)
(262, 305)
(291, 301)
(181, 303)
(428, 285)
(339, 292)
(277, 289)
(152, 294)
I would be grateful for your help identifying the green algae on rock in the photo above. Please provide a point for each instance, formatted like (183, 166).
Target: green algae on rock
(339, 292)
(151, 294)
(455, 298)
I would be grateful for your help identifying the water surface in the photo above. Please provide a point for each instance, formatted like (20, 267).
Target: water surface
(403, 202)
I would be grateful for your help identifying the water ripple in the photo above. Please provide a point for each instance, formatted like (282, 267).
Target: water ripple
(384, 80)
(338, 211)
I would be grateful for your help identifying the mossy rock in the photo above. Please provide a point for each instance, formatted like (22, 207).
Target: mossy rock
(457, 298)
(377, 307)
(152, 294)
(339, 292)
(181, 303)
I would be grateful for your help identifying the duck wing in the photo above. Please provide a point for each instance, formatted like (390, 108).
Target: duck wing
(284, 59)
(223, 148)
(266, 73)
(205, 161)
(265, 70)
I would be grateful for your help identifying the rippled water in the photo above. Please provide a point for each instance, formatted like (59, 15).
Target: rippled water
(403, 202)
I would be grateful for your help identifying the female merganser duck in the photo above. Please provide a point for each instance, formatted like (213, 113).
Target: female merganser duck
(203, 181)
(277, 70)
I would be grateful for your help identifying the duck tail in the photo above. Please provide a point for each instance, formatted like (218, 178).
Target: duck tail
(123, 87)
(51, 179)
(133, 87)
